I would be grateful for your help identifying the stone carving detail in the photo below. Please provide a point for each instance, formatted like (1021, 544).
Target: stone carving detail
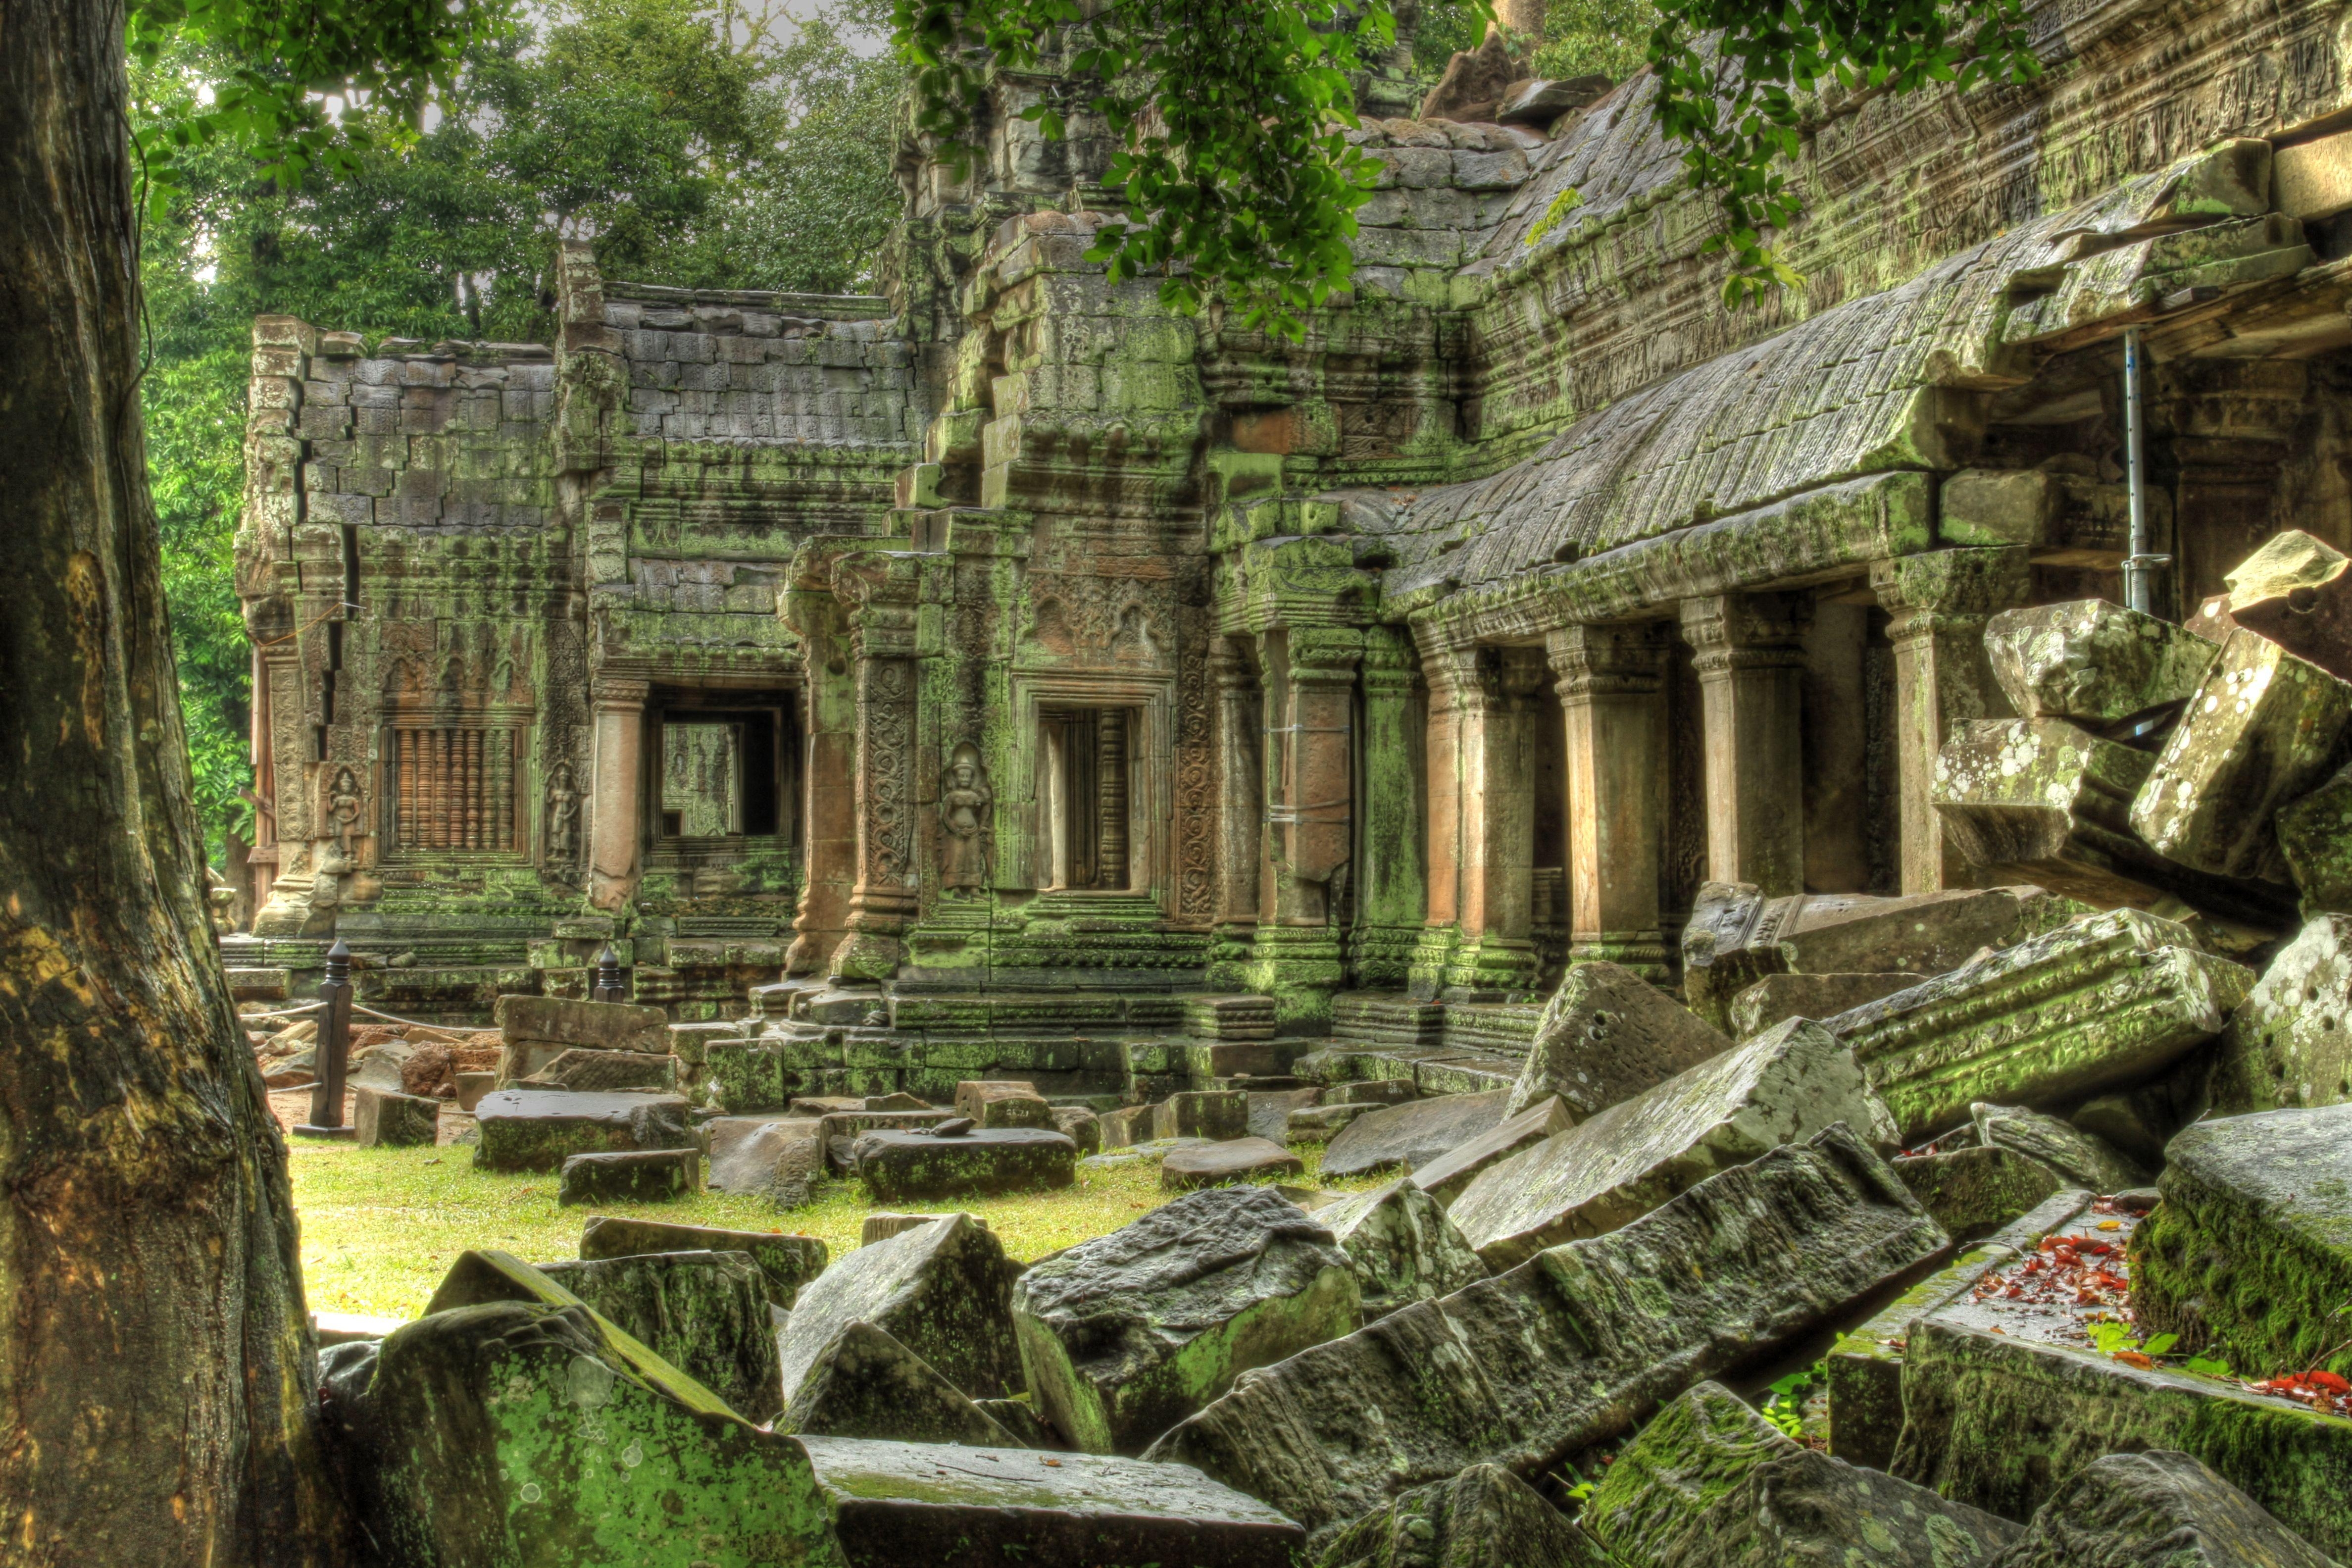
(886, 717)
(563, 819)
(345, 813)
(965, 809)
(1196, 780)
(1125, 619)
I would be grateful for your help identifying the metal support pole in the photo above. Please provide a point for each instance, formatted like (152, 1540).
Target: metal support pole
(2139, 566)
(608, 976)
(332, 1052)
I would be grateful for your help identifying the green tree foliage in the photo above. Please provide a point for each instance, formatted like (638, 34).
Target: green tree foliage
(694, 145)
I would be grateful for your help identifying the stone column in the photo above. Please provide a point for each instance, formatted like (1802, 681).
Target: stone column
(1391, 896)
(1497, 956)
(1448, 672)
(829, 780)
(1937, 603)
(1241, 807)
(1296, 953)
(277, 703)
(1611, 684)
(1749, 652)
(616, 824)
(881, 589)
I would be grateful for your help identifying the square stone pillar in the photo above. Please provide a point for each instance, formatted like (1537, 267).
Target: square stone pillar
(1612, 683)
(828, 779)
(278, 710)
(880, 589)
(1448, 673)
(1937, 603)
(1294, 954)
(615, 808)
(1241, 805)
(1391, 895)
(1497, 956)
(1749, 652)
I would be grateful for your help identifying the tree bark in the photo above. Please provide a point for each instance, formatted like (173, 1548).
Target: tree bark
(156, 1366)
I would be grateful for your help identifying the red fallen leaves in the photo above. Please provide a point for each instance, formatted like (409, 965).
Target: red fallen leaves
(2069, 1269)
(2322, 1391)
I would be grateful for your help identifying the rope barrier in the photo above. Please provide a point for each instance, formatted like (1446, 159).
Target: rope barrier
(281, 1013)
(415, 1023)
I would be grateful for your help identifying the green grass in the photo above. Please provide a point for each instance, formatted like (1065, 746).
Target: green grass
(380, 1226)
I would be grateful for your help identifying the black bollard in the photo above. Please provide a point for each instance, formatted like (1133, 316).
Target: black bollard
(608, 976)
(333, 1051)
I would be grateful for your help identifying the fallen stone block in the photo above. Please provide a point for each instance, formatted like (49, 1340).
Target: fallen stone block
(1449, 1175)
(2263, 728)
(786, 1262)
(2290, 1043)
(991, 1103)
(1321, 1124)
(1406, 1137)
(1127, 1334)
(539, 1129)
(1863, 1370)
(2106, 1002)
(777, 1158)
(814, 1106)
(1776, 998)
(1372, 1091)
(866, 1384)
(1737, 935)
(1149, 1153)
(1607, 1035)
(598, 1025)
(942, 1291)
(901, 1503)
(1484, 1517)
(1709, 1483)
(1570, 1349)
(2295, 591)
(1400, 1246)
(1781, 1087)
(522, 1433)
(1202, 1113)
(2077, 1157)
(472, 1086)
(1080, 1126)
(839, 1130)
(1127, 1125)
(2314, 836)
(900, 1101)
(1017, 1418)
(1999, 1422)
(2045, 799)
(2251, 1251)
(381, 1119)
(704, 1312)
(895, 1165)
(636, 1176)
(884, 1225)
(1269, 1111)
(1235, 1160)
(2160, 1510)
(597, 1071)
(2097, 663)
(1976, 1190)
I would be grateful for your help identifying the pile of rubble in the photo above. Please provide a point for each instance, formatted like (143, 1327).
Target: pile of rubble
(2061, 1171)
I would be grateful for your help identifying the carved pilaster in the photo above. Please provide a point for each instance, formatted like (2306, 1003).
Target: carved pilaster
(1296, 952)
(1497, 955)
(1449, 673)
(1610, 680)
(1390, 893)
(1748, 650)
(615, 813)
(1937, 604)
(881, 588)
(1240, 808)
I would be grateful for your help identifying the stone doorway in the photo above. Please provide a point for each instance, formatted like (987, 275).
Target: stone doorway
(1089, 758)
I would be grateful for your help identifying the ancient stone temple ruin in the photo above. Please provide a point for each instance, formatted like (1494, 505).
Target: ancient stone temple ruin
(1018, 660)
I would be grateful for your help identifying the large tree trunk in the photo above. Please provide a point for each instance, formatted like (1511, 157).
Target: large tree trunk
(156, 1366)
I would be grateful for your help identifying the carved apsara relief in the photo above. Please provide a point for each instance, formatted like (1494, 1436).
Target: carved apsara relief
(966, 804)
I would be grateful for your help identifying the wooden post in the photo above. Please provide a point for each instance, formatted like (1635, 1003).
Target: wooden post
(333, 1050)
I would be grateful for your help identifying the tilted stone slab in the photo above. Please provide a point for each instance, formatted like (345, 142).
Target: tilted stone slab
(1235, 1160)
(1124, 1335)
(997, 1103)
(901, 1503)
(1400, 1246)
(598, 1025)
(786, 1262)
(943, 1291)
(1484, 1517)
(1776, 998)
(1783, 1087)
(2081, 1159)
(1607, 1035)
(2298, 591)
(2262, 728)
(777, 1158)
(866, 1384)
(2315, 836)
(2251, 1250)
(1570, 1349)
(1449, 1175)
(594, 1071)
(1999, 1422)
(704, 1312)
(1202, 1113)
(2100, 1004)
(539, 1129)
(2095, 662)
(2160, 1510)
(380, 1118)
(1975, 1190)
(632, 1177)
(2045, 799)
(1408, 1136)
(894, 1166)
(517, 1433)
(2290, 1043)
(1709, 1483)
